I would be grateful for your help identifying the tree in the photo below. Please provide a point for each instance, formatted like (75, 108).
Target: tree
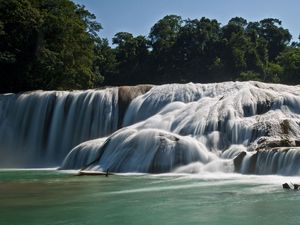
(132, 57)
(276, 37)
(249, 75)
(164, 33)
(246, 53)
(19, 28)
(105, 62)
(54, 44)
(198, 48)
(289, 60)
(46, 44)
(273, 73)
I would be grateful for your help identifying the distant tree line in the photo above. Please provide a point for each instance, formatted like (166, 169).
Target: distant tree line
(54, 44)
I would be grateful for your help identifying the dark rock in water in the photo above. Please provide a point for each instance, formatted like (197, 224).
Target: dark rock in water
(253, 162)
(125, 95)
(238, 161)
(296, 186)
(286, 186)
(297, 143)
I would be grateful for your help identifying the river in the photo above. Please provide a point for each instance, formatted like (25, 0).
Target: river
(34, 197)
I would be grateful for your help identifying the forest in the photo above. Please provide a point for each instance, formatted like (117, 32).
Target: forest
(55, 45)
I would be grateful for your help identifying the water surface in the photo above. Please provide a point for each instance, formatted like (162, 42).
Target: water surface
(34, 197)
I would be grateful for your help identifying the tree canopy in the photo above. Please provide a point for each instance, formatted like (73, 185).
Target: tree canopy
(55, 44)
(46, 44)
(202, 50)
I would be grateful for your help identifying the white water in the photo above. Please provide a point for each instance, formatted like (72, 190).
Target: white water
(192, 128)
(146, 150)
(39, 128)
(282, 162)
(226, 118)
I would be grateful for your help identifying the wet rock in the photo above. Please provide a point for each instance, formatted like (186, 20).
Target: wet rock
(286, 186)
(271, 144)
(253, 162)
(125, 95)
(238, 161)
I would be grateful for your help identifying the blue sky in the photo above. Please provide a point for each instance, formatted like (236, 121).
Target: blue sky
(138, 16)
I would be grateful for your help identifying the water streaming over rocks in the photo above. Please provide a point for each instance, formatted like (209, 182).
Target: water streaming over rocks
(39, 128)
(247, 127)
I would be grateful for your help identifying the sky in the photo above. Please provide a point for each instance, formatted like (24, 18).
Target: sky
(138, 16)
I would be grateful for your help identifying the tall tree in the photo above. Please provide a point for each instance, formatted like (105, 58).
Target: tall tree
(276, 37)
(289, 60)
(245, 52)
(197, 49)
(105, 63)
(132, 56)
(46, 44)
(19, 24)
(163, 35)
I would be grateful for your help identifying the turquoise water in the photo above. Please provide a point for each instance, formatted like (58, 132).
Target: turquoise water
(41, 197)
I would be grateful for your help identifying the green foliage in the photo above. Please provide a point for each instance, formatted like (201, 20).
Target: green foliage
(277, 37)
(289, 60)
(105, 62)
(164, 33)
(46, 44)
(273, 73)
(132, 57)
(19, 25)
(54, 44)
(196, 49)
(163, 37)
(249, 75)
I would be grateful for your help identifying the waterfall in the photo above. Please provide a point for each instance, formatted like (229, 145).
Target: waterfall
(148, 150)
(246, 127)
(284, 161)
(39, 128)
(226, 118)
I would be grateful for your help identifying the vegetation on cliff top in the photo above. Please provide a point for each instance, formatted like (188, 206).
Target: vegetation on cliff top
(54, 44)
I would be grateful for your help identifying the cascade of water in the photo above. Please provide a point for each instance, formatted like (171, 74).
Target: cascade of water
(164, 127)
(240, 114)
(40, 128)
(226, 117)
(83, 154)
(148, 150)
(158, 97)
(284, 161)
